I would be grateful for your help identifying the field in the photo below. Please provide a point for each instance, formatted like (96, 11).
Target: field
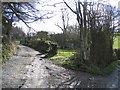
(116, 43)
(62, 56)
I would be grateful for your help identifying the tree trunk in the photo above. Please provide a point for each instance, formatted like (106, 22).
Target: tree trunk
(101, 51)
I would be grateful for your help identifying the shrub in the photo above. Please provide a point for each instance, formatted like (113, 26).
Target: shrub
(43, 47)
(40, 46)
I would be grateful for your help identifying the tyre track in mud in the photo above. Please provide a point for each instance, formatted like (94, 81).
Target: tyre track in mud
(26, 69)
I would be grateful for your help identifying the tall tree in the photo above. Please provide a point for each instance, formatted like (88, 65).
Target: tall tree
(81, 18)
(96, 34)
(24, 11)
(65, 22)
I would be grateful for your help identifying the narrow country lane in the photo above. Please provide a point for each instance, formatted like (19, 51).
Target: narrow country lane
(15, 69)
(26, 69)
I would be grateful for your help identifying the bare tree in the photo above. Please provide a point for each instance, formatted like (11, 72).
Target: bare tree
(24, 11)
(96, 32)
(81, 18)
(65, 23)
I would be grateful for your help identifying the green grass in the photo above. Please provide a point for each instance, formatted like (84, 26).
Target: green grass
(92, 70)
(116, 43)
(17, 42)
(61, 54)
(63, 58)
(102, 71)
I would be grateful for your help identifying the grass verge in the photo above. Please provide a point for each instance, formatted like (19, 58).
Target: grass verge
(63, 58)
(102, 71)
(7, 51)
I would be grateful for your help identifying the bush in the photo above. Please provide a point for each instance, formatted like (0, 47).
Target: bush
(40, 46)
(43, 47)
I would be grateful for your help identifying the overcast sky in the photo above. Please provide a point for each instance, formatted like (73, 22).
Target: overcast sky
(49, 24)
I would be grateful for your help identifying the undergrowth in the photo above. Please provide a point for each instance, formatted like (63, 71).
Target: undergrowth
(7, 51)
(64, 58)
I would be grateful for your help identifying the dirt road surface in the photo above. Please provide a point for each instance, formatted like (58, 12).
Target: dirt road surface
(26, 69)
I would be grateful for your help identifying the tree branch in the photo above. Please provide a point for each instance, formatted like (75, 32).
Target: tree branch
(20, 18)
(59, 27)
(54, 4)
(69, 7)
(40, 18)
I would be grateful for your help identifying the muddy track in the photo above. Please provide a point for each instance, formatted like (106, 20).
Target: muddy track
(26, 69)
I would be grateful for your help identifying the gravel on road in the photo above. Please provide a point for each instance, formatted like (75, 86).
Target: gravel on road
(26, 69)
